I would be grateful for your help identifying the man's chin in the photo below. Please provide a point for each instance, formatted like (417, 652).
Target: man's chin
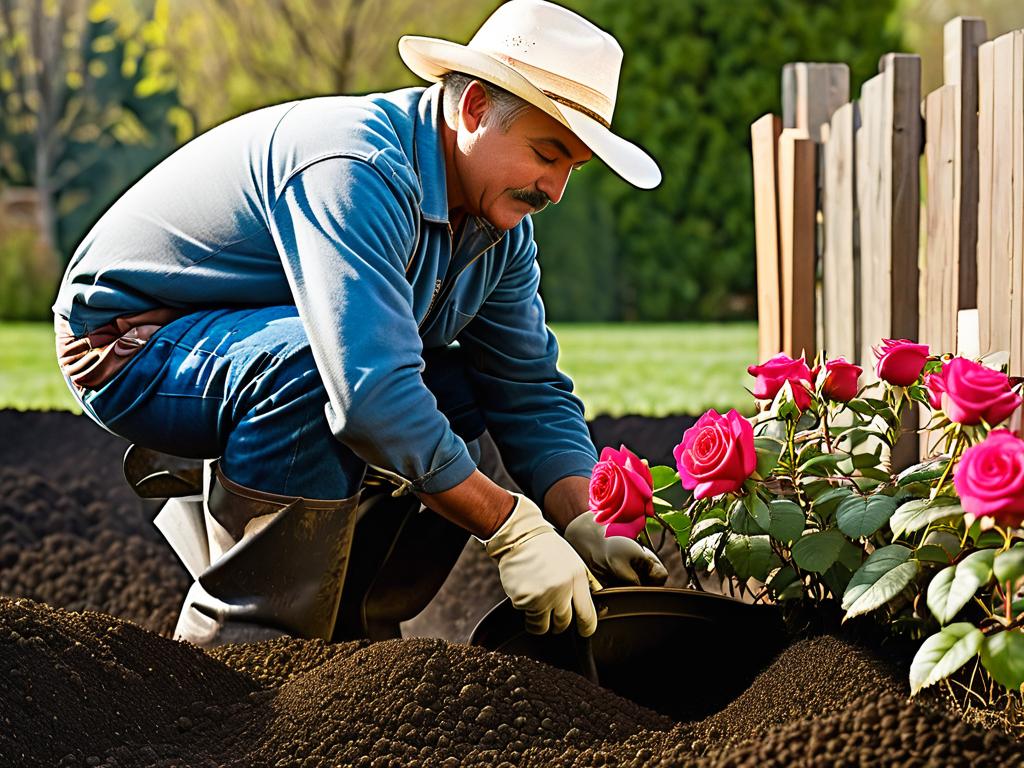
(507, 221)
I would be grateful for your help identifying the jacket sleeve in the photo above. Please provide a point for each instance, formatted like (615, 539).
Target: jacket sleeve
(527, 402)
(345, 229)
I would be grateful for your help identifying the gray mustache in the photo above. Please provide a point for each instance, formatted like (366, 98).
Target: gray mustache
(533, 198)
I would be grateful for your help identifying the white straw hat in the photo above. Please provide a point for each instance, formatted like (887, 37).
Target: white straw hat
(552, 58)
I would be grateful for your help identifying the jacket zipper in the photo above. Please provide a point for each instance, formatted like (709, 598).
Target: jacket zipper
(446, 288)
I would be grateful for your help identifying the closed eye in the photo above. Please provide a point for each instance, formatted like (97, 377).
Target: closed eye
(545, 160)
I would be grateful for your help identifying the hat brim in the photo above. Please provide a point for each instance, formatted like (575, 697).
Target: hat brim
(432, 58)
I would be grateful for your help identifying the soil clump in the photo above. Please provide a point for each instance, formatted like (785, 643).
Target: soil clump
(89, 676)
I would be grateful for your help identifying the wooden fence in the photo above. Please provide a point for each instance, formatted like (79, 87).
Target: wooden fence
(847, 251)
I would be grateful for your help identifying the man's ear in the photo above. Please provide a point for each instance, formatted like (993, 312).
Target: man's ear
(473, 106)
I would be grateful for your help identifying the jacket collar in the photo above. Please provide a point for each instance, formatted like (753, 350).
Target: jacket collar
(430, 164)
(430, 156)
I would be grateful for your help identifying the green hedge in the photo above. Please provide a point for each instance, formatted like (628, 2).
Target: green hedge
(696, 74)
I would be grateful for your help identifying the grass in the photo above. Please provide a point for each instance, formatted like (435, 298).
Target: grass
(652, 370)
(659, 370)
(29, 376)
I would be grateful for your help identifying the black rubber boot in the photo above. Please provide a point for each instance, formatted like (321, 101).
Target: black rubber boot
(277, 567)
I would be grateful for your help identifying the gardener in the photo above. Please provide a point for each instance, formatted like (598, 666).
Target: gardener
(283, 293)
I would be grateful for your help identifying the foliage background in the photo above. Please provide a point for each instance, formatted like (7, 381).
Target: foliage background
(135, 78)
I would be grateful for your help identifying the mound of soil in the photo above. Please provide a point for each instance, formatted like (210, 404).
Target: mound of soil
(81, 687)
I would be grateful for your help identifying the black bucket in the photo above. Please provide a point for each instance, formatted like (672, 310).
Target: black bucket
(680, 652)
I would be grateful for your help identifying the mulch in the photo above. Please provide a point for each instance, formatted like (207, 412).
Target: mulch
(89, 675)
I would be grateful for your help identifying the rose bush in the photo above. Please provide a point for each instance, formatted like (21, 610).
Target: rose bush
(621, 492)
(801, 503)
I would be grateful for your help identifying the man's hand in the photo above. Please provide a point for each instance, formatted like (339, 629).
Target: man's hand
(541, 573)
(615, 559)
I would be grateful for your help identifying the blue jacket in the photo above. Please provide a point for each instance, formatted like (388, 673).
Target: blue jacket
(338, 205)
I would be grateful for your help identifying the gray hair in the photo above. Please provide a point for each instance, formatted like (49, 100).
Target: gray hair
(505, 107)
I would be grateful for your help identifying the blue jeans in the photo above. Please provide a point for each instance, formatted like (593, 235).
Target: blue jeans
(241, 384)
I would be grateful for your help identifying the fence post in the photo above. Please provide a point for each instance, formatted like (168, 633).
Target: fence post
(811, 93)
(764, 138)
(1001, 133)
(961, 39)
(888, 150)
(841, 307)
(796, 241)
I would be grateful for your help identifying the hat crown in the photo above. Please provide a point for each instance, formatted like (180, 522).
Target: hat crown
(563, 53)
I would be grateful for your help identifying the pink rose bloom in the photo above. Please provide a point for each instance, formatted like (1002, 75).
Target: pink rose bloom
(968, 392)
(621, 492)
(840, 382)
(989, 478)
(771, 375)
(716, 455)
(900, 361)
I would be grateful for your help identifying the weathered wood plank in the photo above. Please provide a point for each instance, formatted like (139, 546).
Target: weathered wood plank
(796, 228)
(874, 273)
(986, 123)
(903, 92)
(840, 257)
(811, 93)
(961, 38)
(998, 308)
(1016, 284)
(764, 136)
(939, 276)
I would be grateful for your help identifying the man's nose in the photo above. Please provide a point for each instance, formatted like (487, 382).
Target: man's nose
(553, 184)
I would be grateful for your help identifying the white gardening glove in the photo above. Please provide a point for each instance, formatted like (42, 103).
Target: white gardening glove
(615, 559)
(541, 573)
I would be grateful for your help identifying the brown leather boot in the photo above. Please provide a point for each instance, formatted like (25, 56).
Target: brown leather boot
(277, 566)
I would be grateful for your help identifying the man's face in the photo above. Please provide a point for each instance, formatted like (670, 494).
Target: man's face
(507, 174)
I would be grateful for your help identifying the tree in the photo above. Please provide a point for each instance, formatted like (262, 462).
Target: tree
(89, 102)
(277, 50)
(696, 73)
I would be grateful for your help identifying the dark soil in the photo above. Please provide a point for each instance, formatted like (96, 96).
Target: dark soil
(81, 687)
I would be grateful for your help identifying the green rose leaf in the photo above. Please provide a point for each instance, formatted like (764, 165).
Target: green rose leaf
(939, 546)
(740, 520)
(781, 582)
(824, 501)
(1009, 565)
(750, 556)
(861, 407)
(1003, 656)
(882, 576)
(706, 527)
(859, 517)
(836, 578)
(820, 464)
(924, 472)
(758, 510)
(864, 460)
(680, 524)
(664, 477)
(702, 550)
(816, 552)
(944, 653)
(918, 513)
(953, 587)
(786, 520)
(768, 450)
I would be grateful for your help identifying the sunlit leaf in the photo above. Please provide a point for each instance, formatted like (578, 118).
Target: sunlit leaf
(944, 653)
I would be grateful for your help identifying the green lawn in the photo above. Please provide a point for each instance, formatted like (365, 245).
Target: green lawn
(29, 376)
(657, 370)
(652, 370)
